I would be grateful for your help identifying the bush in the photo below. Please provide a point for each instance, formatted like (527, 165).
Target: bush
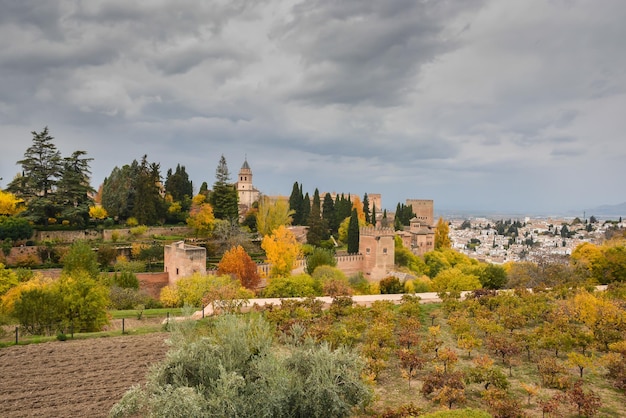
(319, 257)
(359, 283)
(138, 230)
(126, 280)
(390, 286)
(301, 285)
(235, 371)
(14, 228)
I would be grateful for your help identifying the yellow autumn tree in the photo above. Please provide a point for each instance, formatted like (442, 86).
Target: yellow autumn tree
(358, 205)
(282, 250)
(442, 239)
(10, 204)
(201, 218)
(271, 215)
(97, 212)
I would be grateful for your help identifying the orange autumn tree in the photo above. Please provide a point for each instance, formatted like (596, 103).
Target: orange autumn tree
(237, 263)
(282, 250)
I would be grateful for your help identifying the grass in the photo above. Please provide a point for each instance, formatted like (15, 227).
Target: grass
(147, 313)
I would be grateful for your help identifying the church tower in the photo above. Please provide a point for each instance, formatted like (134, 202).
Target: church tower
(246, 191)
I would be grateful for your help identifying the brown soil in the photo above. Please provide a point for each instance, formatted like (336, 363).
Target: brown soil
(74, 378)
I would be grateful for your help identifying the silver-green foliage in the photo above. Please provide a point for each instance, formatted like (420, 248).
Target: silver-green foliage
(238, 370)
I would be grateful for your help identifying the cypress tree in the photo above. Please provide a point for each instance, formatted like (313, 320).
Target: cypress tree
(353, 233)
(373, 217)
(328, 213)
(306, 208)
(318, 228)
(296, 201)
(366, 209)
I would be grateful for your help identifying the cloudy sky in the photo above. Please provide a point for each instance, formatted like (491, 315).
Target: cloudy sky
(516, 105)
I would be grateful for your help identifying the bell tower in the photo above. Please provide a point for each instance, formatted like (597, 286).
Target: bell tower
(246, 191)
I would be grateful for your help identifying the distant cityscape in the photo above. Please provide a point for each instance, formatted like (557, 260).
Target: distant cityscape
(501, 240)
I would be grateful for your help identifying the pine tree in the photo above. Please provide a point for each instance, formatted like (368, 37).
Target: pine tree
(41, 169)
(74, 188)
(148, 207)
(224, 197)
(353, 233)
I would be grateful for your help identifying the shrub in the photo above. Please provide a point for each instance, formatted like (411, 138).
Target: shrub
(319, 257)
(131, 222)
(359, 283)
(126, 280)
(391, 285)
(26, 260)
(234, 371)
(14, 228)
(301, 285)
(138, 230)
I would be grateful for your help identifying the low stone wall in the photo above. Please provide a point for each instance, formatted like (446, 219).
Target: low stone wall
(107, 234)
(152, 283)
(67, 236)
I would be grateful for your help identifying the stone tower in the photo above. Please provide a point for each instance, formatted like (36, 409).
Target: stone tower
(246, 191)
(378, 250)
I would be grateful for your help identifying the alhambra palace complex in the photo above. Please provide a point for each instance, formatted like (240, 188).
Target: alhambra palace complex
(376, 243)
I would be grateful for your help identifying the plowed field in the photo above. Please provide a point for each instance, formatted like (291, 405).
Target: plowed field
(79, 378)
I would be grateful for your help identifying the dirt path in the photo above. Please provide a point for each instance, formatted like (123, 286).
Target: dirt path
(74, 378)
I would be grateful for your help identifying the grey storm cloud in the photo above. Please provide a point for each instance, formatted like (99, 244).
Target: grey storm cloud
(448, 100)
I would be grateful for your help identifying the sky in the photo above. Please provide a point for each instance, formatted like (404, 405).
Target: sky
(494, 105)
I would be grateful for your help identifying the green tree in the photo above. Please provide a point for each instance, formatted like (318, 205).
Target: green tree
(353, 233)
(366, 209)
(149, 205)
(14, 228)
(41, 169)
(296, 204)
(306, 208)
(318, 228)
(74, 189)
(118, 191)
(85, 301)
(81, 257)
(328, 213)
(320, 257)
(178, 185)
(224, 197)
(493, 277)
(39, 310)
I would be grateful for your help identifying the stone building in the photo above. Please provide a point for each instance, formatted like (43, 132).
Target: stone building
(424, 210)
(376, 245)
(419, 238)
(246, 191)
(182, 260)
